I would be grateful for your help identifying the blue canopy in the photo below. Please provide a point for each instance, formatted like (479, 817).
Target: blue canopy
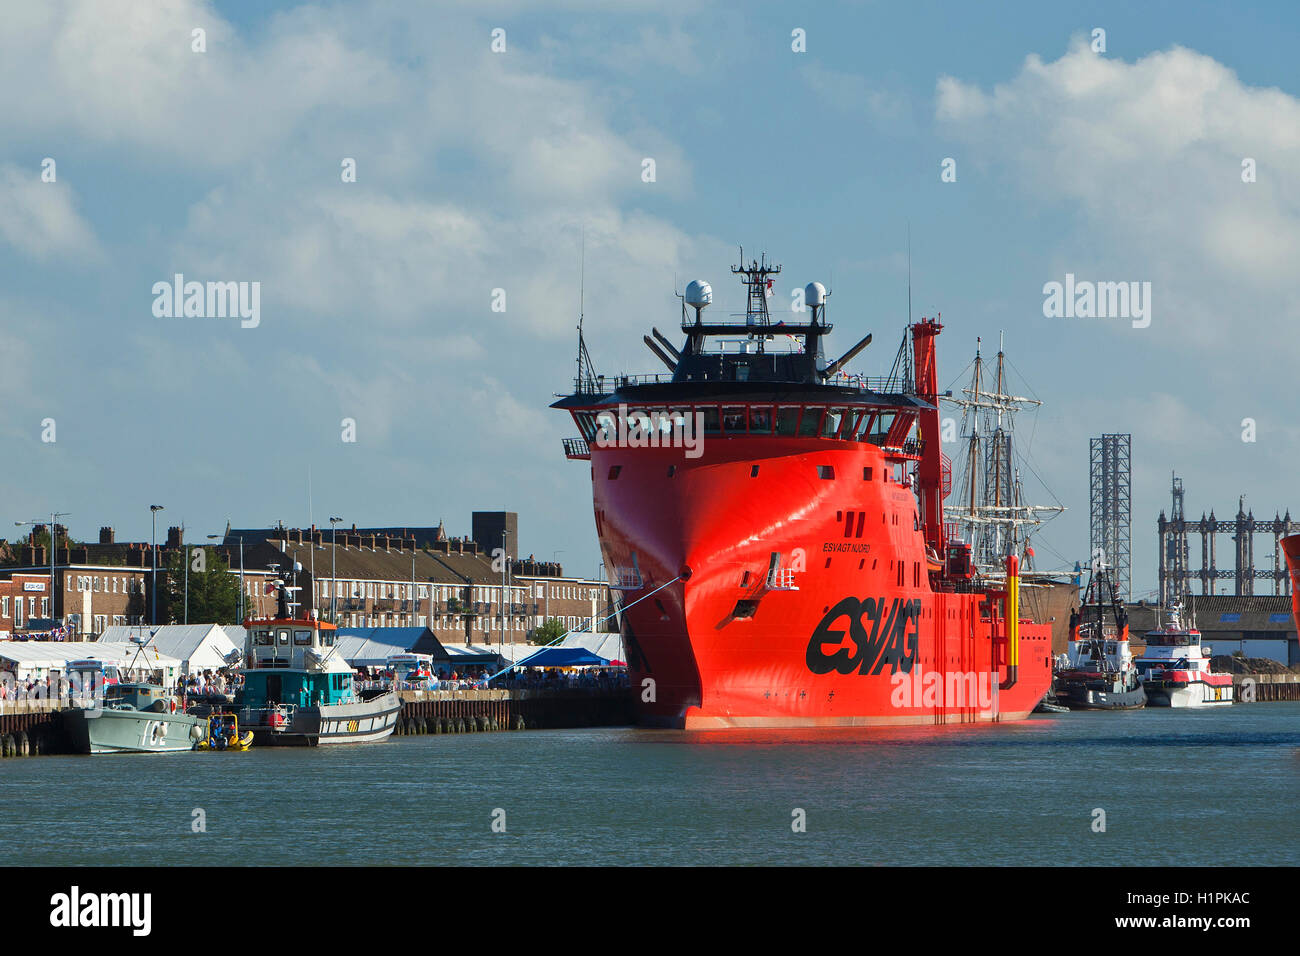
(562, 657)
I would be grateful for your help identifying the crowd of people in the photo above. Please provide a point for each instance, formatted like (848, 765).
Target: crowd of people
(225, 682)
(551, 678)
(482, 677)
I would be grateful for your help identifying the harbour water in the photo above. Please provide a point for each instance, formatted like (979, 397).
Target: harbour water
(1177, 788)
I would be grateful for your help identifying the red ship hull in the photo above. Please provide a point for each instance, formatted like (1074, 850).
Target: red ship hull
(862, 639)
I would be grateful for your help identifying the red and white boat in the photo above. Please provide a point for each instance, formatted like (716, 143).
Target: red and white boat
(776, 530)
(1175, 668)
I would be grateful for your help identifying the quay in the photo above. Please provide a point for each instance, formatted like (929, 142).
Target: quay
(1259, 688)
(455, 711)
(34, 727)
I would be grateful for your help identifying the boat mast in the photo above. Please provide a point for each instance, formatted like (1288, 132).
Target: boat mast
(993, 512)
(758, 284)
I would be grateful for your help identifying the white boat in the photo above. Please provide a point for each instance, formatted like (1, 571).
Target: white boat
(1175, 668)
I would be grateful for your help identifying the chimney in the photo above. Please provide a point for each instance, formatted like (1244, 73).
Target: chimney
(173, 537)
(106, 536)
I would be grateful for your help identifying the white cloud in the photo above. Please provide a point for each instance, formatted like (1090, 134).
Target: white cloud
(40, 219)
(1148, 156)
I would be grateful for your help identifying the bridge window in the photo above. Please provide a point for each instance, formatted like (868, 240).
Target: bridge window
(711, 420)
(864, 426)
(605, 422)
(282, 637)
(760, 420)
(638, 423)
(302, 637)
(733, 420)
(811, 420)
(787, 420)
(880, 428)
(851, 418)
(831, 423)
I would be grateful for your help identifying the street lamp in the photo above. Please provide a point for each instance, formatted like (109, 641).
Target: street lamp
(186, 558)
(153, 547)
(54, 545)
(334, 584)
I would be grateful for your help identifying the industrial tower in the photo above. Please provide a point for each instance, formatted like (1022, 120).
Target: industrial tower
(1110, 525)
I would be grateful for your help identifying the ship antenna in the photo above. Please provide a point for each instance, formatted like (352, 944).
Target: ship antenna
(909, 272)
(586, 381)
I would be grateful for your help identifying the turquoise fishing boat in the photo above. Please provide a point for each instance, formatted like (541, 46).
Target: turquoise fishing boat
(298, 691)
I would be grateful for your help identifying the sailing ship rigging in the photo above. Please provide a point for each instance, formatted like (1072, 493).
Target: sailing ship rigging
(990, 511)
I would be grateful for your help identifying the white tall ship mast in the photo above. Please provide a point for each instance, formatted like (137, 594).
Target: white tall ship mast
(989, 512)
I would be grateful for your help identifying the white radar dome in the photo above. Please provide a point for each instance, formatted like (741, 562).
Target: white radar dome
(699, 293)
(814, 293)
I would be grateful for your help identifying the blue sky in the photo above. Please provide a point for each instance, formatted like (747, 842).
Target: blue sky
(478, 170)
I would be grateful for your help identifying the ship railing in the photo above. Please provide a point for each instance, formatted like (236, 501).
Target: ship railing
(577, 448)
(781, 579)
(628, 579)
(912, 448)
(607, 385)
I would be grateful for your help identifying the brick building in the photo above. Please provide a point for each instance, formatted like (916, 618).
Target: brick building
(24, 598)
(97, 585)
(453, 586)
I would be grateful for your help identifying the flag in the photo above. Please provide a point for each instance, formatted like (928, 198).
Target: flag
(769, 287)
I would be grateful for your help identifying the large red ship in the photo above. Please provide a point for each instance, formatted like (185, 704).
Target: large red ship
(775, 527)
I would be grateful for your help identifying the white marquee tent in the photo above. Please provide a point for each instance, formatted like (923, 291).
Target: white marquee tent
(198, 647)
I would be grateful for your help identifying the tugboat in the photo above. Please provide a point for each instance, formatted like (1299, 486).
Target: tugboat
(1175, 668)
(1100, 674)
(130, 717)
(297, 691)
(775, 527)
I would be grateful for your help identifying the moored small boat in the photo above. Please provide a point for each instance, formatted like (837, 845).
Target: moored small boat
(298, 692)
(132, 718)
(1100, 673)
(128, 716)
(1175, 668)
